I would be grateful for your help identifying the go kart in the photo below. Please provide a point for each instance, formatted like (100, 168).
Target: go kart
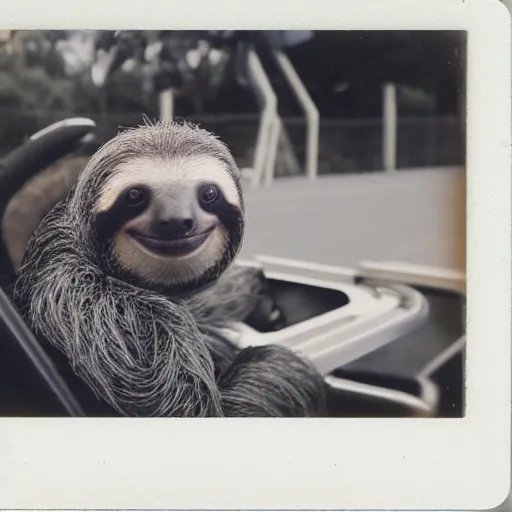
(346, 321)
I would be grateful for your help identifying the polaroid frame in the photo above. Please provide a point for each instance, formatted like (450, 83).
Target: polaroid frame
(397, 464)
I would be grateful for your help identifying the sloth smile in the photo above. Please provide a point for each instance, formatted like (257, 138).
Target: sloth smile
(170, 245)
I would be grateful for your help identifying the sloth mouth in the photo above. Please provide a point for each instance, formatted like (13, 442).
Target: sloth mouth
(172, 245)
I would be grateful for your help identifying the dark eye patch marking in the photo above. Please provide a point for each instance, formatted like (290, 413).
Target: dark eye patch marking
(210, 197)
(128, 205)
(208, 194)
(134, 197)
(230, 216)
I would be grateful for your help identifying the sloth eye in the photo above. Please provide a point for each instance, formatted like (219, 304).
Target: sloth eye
(134, 197)
(208, 194)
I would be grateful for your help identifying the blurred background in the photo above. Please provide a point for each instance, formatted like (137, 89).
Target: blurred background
(50, 75)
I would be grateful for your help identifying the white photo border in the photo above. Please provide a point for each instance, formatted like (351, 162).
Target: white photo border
(306, 463)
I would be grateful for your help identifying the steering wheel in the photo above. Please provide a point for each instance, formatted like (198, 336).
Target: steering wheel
(38, 152)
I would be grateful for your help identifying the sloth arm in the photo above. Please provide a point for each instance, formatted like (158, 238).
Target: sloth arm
(267, 381)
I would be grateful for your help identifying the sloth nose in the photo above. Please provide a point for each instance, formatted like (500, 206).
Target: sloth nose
(176, 226)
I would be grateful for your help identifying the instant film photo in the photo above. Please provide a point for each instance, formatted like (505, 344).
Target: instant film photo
(255, 257)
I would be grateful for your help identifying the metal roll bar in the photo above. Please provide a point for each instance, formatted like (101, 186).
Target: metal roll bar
(266, 133)
(309, 107)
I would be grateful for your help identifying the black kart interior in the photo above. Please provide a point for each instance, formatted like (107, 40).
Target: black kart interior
(298, 302)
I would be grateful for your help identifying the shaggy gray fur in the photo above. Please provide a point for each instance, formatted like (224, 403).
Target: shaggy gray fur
(143, 353)
(233, 297)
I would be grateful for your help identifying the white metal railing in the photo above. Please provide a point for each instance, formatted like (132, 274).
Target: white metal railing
(310, 109)
(263, 165)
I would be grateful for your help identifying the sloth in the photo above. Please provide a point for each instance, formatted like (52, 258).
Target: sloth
(127, 281)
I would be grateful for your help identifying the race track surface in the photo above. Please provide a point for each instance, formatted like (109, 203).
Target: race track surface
(416, 216)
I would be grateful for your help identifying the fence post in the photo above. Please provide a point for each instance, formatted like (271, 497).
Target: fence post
(166, 104)
(273, 143)
(389, 127)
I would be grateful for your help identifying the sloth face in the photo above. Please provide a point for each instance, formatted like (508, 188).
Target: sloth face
(171, 222)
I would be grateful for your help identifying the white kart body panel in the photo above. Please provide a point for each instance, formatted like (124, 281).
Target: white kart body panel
(377, 314)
